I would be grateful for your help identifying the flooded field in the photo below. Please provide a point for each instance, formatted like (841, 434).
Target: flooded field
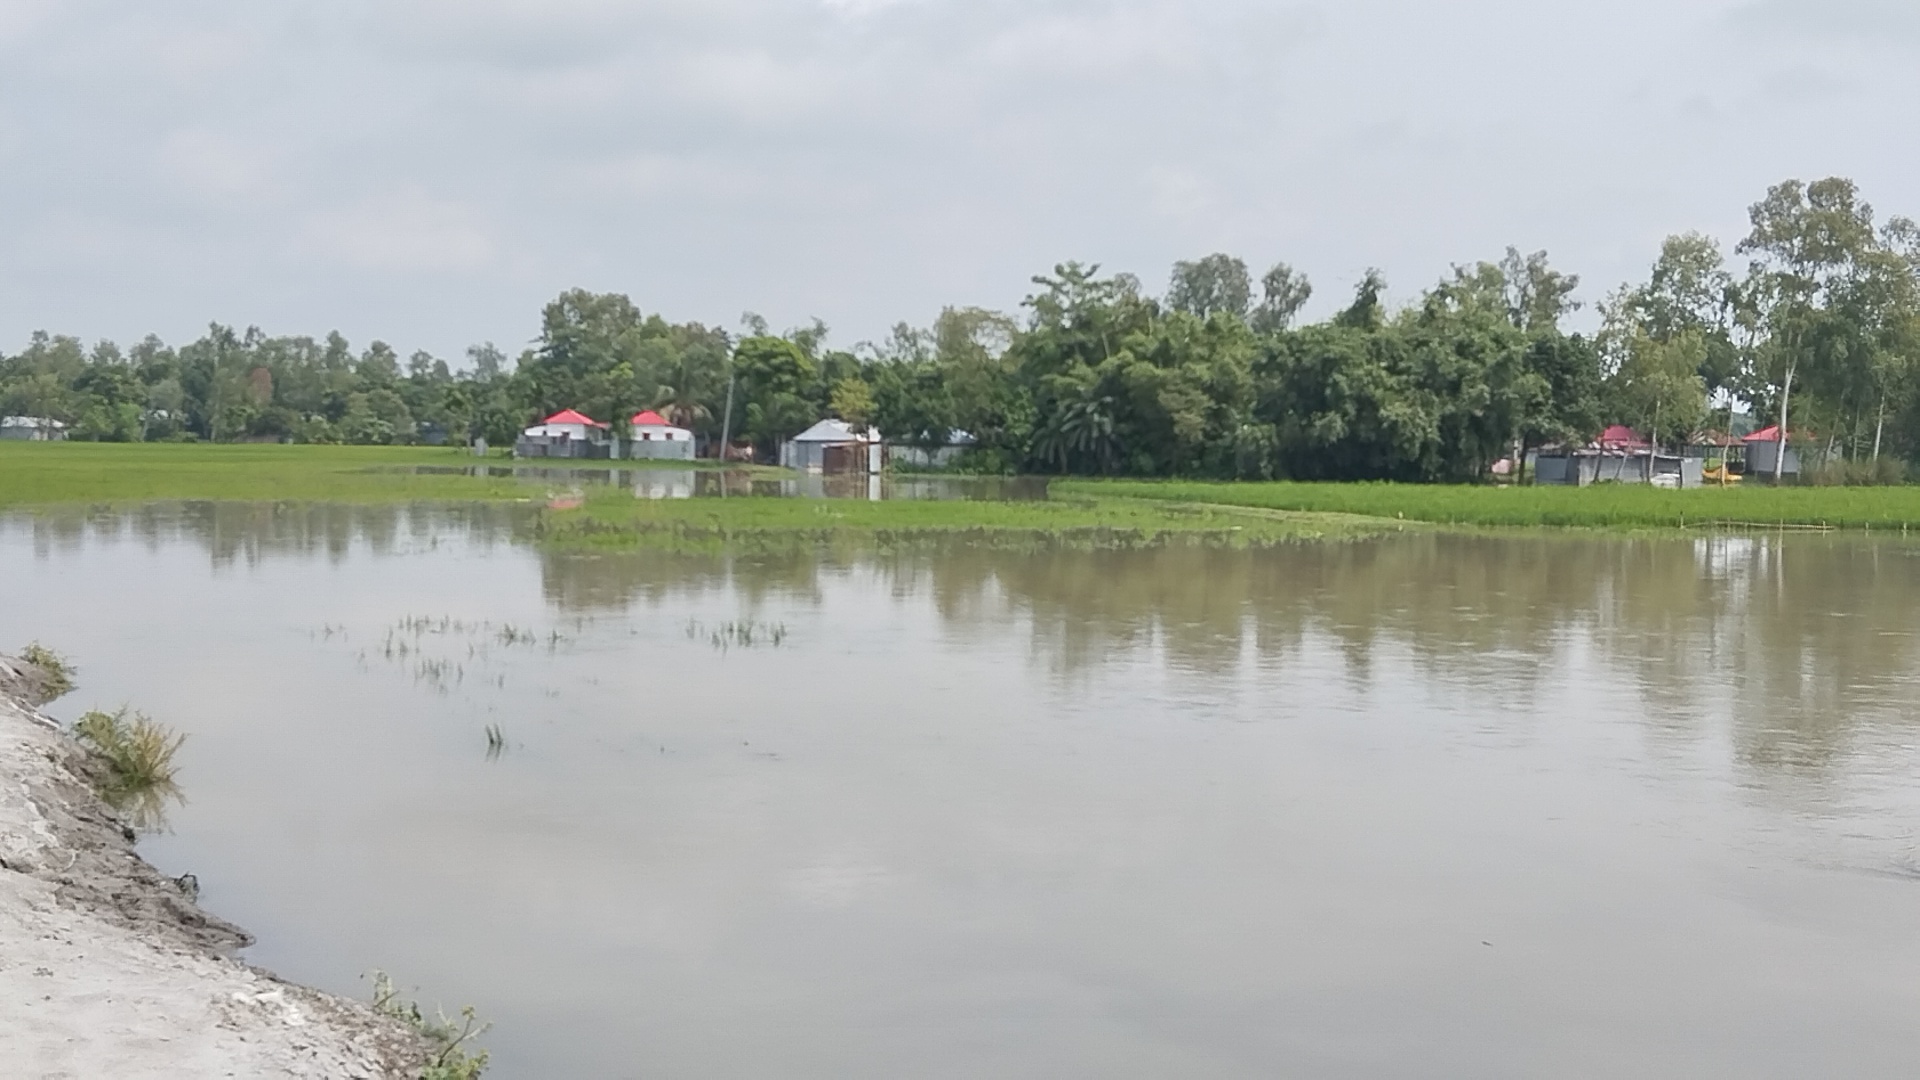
(1432, 805)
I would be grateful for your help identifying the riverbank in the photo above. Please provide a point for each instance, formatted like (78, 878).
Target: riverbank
(108, 968)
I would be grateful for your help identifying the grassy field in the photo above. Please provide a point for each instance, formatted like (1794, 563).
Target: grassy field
(1110, 511)
(1600, 506)
(119, 473)
(613, 521)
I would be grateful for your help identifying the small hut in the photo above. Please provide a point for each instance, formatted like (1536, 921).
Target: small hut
(32, 428)
(1619, 456)
(1764, 449)
(831, 446)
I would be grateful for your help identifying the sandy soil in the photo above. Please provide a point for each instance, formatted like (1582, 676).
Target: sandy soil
(108, 969)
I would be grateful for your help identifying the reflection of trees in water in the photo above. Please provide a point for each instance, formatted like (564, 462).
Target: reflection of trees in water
(247, 532)
(1800, 640)
(591, 581)
(1805, 642)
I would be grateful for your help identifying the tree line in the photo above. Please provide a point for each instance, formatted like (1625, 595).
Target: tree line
(1815, 321)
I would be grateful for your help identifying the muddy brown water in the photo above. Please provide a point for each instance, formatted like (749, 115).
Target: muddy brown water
(1488, 806)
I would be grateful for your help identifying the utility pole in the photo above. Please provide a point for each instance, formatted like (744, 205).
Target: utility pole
(726, 428)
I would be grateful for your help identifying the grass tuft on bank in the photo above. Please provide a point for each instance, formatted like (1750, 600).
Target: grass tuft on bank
(56, 676)
(1600, 506)
(135, 754)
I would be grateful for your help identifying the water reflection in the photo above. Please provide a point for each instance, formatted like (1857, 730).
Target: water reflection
(1114, 812)
(246, 533)
(655, 482)
(1798, 639)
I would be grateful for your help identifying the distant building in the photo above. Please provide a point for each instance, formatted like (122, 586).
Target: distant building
(32, 429)
(831, 446)
(565, 434)
(651, 436)
(1763, 449)
(1619, 456)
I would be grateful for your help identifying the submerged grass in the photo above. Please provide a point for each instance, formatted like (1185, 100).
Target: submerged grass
(39, 474)
(613, 522)
(1600, 506)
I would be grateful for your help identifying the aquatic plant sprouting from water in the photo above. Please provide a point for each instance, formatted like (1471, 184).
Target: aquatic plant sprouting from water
(56, 674)
(137, 755)
(744, 635)
(447, 1036)
(496, 742)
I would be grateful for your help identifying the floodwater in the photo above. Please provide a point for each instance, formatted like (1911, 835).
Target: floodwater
(1477, 806)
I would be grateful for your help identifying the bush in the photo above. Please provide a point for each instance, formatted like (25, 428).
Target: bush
(138, 752)
(56, 674)
(1881, 472)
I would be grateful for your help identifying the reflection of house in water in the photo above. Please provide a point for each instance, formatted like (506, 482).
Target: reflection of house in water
(831, 446)
(845, 485)
(663, 483)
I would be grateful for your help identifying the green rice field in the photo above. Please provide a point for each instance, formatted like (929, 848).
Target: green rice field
(1600, 506)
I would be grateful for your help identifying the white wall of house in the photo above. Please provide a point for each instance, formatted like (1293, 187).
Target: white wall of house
(572, 431)
(1760, 458)
(660, 442)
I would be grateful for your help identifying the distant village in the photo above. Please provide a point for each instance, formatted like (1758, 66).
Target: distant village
(1619, 455)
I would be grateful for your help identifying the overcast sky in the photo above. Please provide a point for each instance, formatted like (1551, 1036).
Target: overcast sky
(431, 173)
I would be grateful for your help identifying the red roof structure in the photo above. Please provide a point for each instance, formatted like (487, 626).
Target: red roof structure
(569, 416)
(649, 418)
(1770, 433)
(1621, 437)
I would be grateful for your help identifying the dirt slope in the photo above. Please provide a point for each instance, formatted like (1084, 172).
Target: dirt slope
(108, 969)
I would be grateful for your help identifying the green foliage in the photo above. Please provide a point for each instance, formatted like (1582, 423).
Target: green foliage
(852, 401)
(447, 1037)
(1822, 329)
(137, 755)
(56, 673)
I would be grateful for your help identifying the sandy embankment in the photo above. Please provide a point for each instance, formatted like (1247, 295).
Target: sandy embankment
(108, 969)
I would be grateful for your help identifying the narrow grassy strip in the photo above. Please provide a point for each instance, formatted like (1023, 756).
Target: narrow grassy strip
(1599, 506)
(613, 521)
(49, 474)
(43, 474)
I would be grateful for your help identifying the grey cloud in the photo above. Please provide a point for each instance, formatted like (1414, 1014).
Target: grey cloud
(1862, 20)
(431, 172)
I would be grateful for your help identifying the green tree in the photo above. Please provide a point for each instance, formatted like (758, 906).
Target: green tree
(1214, 284)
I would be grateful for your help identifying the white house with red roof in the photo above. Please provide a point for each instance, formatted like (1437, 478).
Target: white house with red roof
(651, 435)
(566, 434)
